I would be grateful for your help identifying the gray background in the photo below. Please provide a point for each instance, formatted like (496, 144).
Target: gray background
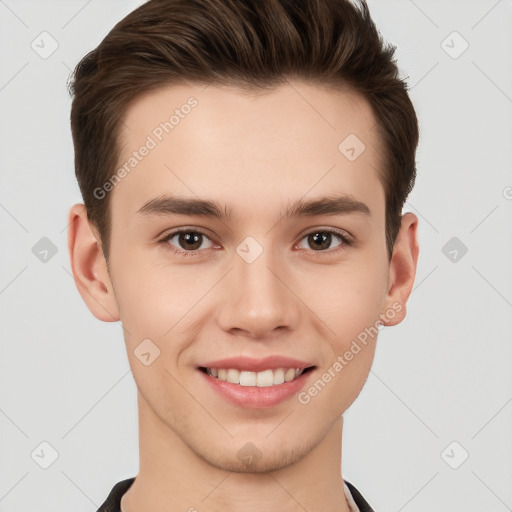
(441, 386)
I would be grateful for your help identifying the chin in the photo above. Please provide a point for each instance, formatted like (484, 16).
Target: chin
(256, 457)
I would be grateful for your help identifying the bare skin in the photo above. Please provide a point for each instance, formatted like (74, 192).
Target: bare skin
(256, 154)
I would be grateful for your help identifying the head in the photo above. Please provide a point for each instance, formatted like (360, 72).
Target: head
(257, 107)
(253, 46)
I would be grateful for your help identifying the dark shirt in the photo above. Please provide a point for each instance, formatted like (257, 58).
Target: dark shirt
(113, 501)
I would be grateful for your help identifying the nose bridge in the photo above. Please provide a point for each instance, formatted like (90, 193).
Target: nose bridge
(257, 300)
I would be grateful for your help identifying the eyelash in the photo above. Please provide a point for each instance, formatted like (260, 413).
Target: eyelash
(345, 239)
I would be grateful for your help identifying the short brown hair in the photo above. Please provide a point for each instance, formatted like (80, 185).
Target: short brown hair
(248, 44)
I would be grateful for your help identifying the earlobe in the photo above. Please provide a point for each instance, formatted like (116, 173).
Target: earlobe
(402, 270)
(89, 267)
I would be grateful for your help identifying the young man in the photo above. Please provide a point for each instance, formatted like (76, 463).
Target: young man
(243, 165)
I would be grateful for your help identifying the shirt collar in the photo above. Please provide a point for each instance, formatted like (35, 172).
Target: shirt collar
(351, 503)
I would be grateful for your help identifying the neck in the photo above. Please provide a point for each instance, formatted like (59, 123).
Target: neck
(173, 477)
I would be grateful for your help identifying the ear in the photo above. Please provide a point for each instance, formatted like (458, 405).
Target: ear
(89, 266)
(402, 270)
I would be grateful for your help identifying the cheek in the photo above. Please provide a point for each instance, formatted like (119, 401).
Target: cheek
(351, 309)
(348, 299)
(151, 297)
(161, 304)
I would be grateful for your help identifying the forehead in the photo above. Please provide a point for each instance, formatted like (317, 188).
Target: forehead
(247, 145)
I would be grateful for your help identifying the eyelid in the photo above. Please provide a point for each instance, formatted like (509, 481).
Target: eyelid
(344, 234)
(345, 237)
(184, 229)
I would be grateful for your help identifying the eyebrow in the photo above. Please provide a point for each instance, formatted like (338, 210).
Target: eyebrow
(329, 205)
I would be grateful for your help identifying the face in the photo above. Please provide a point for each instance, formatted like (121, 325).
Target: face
(257, 282)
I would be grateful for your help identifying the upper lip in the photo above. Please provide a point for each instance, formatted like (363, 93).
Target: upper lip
(257, 365)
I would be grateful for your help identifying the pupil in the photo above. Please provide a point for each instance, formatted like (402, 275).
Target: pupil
(192, 239)
(320, 239)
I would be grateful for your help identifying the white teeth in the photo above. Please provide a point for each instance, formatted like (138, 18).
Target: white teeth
(278, 376)
(262, 379)
(265, 379)
(233, 376)
(247, 379)
(289, 375)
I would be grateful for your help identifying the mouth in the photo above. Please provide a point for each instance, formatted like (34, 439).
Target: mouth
(270, 377)
(256, 383)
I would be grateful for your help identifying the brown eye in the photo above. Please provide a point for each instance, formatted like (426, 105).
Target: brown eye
(322, 240)
(190, 240)
(187, 240)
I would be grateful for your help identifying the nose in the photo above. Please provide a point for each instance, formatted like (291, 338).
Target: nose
(259, 298)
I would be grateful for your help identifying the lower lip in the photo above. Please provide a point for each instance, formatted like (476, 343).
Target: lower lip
(253, 396)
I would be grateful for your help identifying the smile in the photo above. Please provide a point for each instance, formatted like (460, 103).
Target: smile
(265, 378)
(256, 383)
